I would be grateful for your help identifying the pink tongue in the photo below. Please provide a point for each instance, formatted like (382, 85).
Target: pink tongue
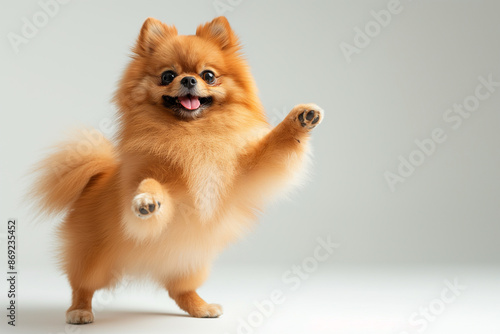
(189, 102)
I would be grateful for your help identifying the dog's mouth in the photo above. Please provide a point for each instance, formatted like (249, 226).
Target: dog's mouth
(187, 103)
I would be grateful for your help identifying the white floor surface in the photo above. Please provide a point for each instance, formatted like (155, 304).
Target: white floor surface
(334, 299)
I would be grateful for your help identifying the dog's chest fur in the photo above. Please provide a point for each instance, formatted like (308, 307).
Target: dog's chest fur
(208, 169)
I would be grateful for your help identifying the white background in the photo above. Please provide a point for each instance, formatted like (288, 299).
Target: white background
(441, 223)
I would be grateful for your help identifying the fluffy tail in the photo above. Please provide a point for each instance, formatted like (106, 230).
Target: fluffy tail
(62, 177)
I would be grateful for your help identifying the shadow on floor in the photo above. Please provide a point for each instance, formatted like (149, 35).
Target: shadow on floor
(51, 319)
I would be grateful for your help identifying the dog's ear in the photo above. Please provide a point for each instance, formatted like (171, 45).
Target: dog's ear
(218, 31)
(152, 32)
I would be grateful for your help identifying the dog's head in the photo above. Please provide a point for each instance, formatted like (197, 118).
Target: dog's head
(186, 75)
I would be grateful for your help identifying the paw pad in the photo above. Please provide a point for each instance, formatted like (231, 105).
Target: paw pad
(144, 205)
(309, 118)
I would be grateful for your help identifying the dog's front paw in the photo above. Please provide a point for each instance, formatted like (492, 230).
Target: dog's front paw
(145, 205)
(307, 116)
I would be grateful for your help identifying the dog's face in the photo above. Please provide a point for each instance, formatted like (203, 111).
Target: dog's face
(186, 75)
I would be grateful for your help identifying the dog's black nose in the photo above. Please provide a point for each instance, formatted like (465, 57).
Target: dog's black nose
(188, 82)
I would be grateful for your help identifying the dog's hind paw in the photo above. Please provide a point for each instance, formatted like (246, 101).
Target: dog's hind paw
(79, 317)
(208, 311)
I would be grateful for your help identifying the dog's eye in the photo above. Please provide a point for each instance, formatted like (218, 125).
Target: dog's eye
(208, 76)
(167, 77)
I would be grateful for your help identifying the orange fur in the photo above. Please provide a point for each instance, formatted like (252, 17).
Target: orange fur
(179, 185)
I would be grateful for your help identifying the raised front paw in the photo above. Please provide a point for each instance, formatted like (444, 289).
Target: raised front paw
(145, 205)
(307, 116)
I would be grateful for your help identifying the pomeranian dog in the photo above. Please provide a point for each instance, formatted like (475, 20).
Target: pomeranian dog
(194, 160)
